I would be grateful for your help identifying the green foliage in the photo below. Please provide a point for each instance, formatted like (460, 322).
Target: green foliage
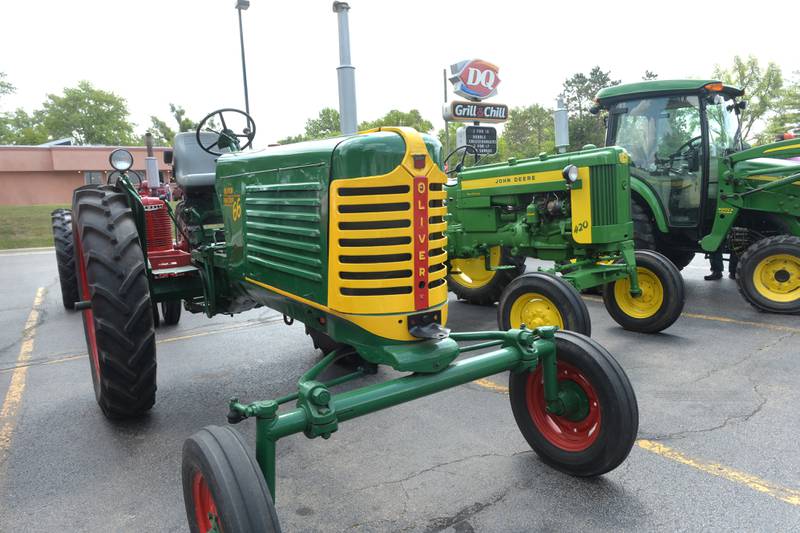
(529, 131)
(787, 112)
(394, 117)
(649, 75)
(21, 128)
(88, 115)
(763, 88)
(578, 94)
(5, 87)
(324, 126)
(26, 226)
(162, 133)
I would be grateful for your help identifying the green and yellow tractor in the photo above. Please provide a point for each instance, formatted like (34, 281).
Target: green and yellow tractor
(698, 188)
(349, 237)
(573, 209)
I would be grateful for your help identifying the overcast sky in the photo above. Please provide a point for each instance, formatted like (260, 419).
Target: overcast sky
(153, 52)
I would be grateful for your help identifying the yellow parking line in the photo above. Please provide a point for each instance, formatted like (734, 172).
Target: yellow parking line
(784, 494)
(763, 325)
(8, 413)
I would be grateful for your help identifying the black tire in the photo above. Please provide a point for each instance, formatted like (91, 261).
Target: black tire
(644, 231)
(769, 299)
(679, 258)
(489, 293)
(352, 359)
(171, 311)
(562, 296)
(627, 313)
(584, 453)
(219, 460)
(119, 329)
(61, 221)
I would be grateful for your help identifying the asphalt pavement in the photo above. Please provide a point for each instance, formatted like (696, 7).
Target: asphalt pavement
(717, 449)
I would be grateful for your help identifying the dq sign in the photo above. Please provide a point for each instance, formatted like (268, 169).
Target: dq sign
(476, 79)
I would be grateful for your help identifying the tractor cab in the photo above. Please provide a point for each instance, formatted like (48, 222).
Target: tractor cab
(677, 133)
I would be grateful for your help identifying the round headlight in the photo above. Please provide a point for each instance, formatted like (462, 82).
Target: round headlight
(121, 159)
(570, 173)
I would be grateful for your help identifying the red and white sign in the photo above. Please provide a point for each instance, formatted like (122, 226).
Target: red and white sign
(475, 79)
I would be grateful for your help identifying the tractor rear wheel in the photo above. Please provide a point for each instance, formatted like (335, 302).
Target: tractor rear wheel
(597, 434)
(644, 233)
(119, 324)
(470, 280)
(61, 220)
(679, 258)
(539, 299)
(171, 311)
(769, 274)
(661, 301)
(223, 487)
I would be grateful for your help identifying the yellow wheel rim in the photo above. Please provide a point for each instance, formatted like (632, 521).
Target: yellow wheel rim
(645, 305)
(472, 273)
(534, 310)
(777, 278)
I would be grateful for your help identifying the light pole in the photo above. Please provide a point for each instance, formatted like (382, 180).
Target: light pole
(242, 5)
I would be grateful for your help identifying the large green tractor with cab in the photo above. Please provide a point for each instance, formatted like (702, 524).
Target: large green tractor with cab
(572, 209)
(697, 187)
(347, 236)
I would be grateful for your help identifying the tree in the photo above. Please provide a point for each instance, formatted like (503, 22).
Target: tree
(394, 117)
(21, 128)
(579, 92)
(324, 126)
(787, 112)
(529, 131)
(162, 133)
(763, 88)
(88, 115)
(5, 87)
(649, 75)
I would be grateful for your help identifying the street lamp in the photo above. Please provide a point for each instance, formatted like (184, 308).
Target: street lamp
(241, 5)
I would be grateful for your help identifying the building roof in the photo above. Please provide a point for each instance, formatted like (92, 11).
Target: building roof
(655, 87)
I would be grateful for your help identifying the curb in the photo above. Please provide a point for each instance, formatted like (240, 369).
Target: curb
(26, 250)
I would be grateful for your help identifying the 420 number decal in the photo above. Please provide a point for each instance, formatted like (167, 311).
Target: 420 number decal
(580, 226)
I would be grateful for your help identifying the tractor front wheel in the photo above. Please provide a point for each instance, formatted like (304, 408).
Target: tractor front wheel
(120, 335)
(539, 299)
(61, 220)
(596, 433)
(661, 301)
(769, 274)
(470, 280)
(223, 487)
(171, 311)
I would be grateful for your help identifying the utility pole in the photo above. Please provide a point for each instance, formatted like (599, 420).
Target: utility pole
(242, 5)
(346, 73)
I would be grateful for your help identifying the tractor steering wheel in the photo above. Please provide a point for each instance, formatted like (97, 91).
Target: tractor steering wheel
(468, 149)
(685, 147)
(227, 137)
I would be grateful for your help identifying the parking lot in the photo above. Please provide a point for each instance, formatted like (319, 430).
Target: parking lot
(717, 448)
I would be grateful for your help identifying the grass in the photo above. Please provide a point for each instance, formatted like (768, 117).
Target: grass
(26, 226)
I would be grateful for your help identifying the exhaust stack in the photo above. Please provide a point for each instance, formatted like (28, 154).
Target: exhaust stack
(346, 73)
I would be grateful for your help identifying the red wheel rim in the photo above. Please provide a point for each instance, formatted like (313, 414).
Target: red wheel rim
(568, 435)
(88, 314)
(203, 503)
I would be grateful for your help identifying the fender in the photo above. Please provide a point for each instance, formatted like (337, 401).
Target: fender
(646, 193)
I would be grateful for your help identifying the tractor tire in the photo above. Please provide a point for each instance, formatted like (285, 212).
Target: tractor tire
(119, 328)
(768, 275)
(473, 283)
(539, 299)
(171, 311)
(679, 258)
(644, 232)
(661, 301)
(61, 220)
(600, 440)
(223, 485)
(351, 359)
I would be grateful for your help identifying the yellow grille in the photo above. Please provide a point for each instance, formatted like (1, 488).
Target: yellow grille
(371, 263)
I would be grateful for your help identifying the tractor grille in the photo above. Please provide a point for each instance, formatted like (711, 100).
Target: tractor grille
(283, 228)
(605, 195)
(372, 244)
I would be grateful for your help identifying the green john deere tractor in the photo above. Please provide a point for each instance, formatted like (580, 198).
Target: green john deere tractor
(573, 209)
(348, 237)
(697, 188)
